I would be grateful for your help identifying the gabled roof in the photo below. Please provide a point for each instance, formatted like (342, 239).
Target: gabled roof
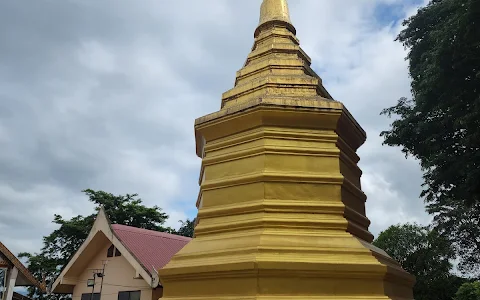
(145, 250)
(152, 249)
(28, 279)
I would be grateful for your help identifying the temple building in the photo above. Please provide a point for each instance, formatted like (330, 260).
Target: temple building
(118, 262)
(14, 274)
(281, 211)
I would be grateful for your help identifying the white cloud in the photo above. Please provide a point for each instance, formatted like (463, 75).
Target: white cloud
(386, 205)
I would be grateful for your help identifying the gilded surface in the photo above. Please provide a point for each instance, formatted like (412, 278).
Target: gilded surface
(274, 10)
(281, 209)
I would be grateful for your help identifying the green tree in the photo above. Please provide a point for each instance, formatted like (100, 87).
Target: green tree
(440, 125)
(469, 291)
(424, 253)
(187, 229)
(62, 243)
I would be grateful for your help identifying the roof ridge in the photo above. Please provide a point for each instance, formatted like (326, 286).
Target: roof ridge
(158, 233)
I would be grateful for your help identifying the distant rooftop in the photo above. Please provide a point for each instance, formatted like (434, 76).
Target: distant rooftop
(152, 249)
(25, 278)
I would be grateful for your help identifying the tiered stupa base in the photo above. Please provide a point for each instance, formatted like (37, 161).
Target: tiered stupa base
(272, 220)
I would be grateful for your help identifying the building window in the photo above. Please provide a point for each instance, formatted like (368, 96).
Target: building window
(90, 296)
(135, 295)
(110, 252)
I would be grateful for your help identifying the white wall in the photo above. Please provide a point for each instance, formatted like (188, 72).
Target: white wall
(119, 276)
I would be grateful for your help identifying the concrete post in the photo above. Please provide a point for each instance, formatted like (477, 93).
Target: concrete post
(12, 278)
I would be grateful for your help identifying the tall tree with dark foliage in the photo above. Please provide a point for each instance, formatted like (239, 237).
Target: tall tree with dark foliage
(440, 124)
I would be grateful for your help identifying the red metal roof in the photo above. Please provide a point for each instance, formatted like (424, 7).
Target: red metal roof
(152, 249)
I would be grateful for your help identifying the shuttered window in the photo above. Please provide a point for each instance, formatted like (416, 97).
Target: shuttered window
(134, 295)
(90, 296)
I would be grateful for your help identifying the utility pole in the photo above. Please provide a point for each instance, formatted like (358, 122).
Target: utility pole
(102, 275)
(93, 286)
(97, 273)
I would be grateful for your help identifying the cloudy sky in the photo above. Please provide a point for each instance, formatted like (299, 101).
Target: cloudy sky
(103, 94)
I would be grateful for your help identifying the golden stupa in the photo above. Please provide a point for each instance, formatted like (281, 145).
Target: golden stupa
(281, 212)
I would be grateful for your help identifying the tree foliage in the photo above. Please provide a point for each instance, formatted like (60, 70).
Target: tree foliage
(62, 243)
(425, 254)
(440, 125)
(461, 224)
(187, 229)
(469, 291)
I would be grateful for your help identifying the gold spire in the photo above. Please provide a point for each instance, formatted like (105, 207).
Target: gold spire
(275, 11)
(276, 66)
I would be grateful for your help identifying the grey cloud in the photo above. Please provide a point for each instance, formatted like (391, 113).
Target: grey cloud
(103, 94)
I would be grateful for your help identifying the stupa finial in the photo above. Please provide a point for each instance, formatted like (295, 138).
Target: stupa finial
(275, 11)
